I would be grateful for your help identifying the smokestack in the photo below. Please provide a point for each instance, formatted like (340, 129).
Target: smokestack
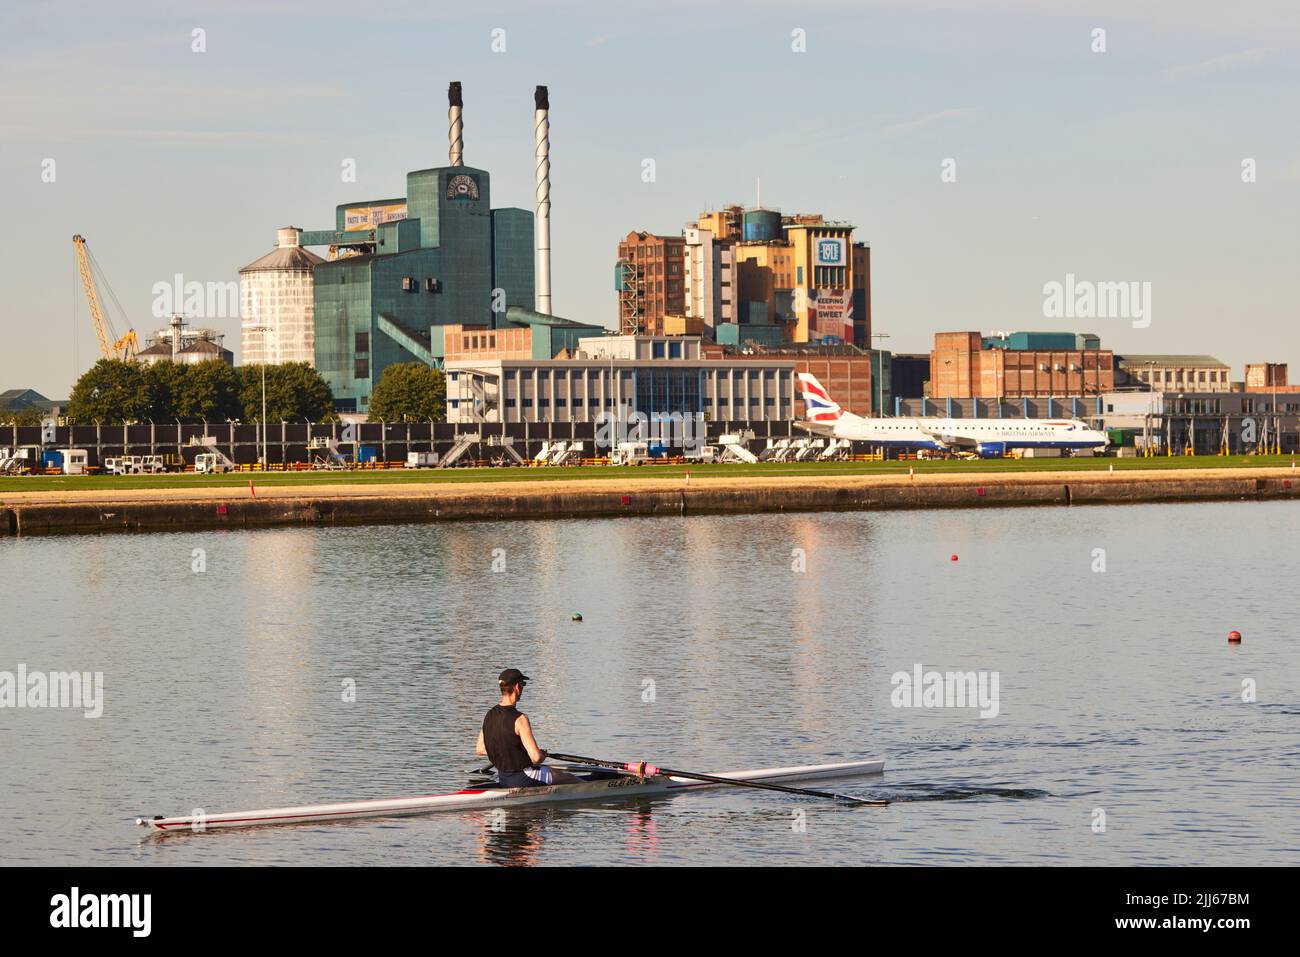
(542, 130)
(176, 336)
(456, 151)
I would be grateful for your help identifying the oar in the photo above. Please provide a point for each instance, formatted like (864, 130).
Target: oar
(642, 769)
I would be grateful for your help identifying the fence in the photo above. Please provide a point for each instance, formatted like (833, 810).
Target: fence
(288, 443)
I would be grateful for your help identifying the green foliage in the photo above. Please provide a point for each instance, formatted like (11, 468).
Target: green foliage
(31, 415)
(203, 392)
(210, 393)
(110, 392)
(113, 392)
(409, 392)
(294, 391)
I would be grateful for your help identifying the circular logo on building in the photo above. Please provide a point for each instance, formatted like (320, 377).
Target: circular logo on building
(462, 186)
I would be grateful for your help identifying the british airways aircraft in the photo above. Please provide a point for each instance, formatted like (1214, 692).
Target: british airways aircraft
(988, 438)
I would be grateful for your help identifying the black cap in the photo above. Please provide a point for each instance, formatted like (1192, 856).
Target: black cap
(453, 95)
(512, 676)
(541, 99)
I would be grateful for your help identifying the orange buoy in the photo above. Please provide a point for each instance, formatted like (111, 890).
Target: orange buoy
(1234, 637)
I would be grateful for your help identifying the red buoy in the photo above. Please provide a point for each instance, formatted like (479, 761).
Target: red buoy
(954, 558)
(1234, 637)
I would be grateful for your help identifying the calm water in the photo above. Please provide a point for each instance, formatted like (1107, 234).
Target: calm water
(1117, 689)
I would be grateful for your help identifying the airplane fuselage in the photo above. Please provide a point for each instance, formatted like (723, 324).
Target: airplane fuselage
(980, 435)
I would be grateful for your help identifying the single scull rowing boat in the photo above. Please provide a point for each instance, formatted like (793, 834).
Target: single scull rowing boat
(595, 785)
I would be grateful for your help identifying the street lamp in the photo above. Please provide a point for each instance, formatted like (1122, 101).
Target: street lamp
(263, 330)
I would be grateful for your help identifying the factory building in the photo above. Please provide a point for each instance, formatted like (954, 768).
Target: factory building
(750, 275)
(649, 277)
(653, 375)
(276, 303)
(968, 365)
(1267, 377)
(524, 334)
(710, 281)
(910, 374)
(850, 374)
(181, 344)
(1173, 373)
(402, 268)
(798, 278)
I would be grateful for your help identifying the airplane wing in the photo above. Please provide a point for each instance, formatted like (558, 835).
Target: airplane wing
(950, 441)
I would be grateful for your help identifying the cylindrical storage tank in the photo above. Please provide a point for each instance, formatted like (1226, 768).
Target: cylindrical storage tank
(760, 225)
(276, 304)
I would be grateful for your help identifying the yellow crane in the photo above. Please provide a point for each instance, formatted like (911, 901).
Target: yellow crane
(110, 345)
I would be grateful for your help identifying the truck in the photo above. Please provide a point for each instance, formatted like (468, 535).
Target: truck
(630, 453)
(212, 463)
(68, 460)
(421, 460)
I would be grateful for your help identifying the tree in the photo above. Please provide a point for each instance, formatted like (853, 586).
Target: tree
(28, 415)
(210, 393)
(166, 384)
(409, 392)
(294, 390)
(110, 392)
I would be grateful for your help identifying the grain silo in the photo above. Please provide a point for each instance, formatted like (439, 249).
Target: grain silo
(276, 295)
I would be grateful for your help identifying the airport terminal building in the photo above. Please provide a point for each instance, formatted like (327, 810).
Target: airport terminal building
(654, 375)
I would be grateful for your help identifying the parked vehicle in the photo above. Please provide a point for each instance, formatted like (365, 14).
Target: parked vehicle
(630, 453)
(212, 463)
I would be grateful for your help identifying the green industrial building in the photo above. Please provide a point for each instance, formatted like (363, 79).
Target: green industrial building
(401, 268)
(451, 260)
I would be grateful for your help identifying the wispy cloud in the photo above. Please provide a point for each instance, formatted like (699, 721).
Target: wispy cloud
(1219, 64)
(919, 122)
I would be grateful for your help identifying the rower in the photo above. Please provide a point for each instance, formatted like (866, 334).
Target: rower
(507, 738)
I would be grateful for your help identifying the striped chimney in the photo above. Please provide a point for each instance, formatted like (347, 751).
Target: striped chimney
(456, 151)
(542, 132)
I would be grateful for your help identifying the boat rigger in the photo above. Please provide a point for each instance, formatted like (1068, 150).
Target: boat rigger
(592, 784)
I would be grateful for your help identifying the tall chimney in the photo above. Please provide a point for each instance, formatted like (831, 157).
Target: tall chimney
(456, 151)
(542, 129)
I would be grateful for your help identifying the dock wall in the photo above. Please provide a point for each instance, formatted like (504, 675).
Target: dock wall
(227, 508)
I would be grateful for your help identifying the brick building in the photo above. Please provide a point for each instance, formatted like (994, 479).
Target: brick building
(964, 365)
(650, 280)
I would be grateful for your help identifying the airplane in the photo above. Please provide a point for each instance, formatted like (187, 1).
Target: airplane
(988, 438)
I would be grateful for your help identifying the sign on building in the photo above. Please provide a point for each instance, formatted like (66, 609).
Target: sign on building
(831, 314)
(368, 217)
(462, 186)
(830, 252)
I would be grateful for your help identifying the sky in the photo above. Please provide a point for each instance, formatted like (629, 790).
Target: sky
(1115, 164)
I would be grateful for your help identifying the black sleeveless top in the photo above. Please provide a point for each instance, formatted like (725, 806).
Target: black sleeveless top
(504, 748)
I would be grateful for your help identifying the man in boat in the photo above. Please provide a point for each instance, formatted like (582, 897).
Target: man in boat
(507, 739)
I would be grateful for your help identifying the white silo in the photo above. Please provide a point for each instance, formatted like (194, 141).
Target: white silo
(275, 303)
